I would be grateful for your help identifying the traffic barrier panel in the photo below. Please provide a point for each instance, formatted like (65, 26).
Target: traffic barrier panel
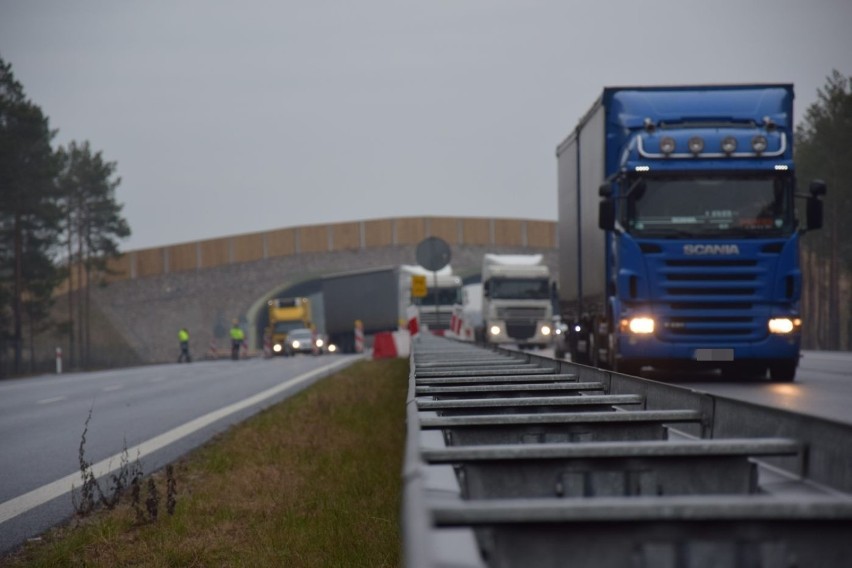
(413, 320)
(383, 346)
(359, 336)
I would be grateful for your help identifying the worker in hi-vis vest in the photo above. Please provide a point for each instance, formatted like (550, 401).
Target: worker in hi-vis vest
(183, 337)
(237, 337)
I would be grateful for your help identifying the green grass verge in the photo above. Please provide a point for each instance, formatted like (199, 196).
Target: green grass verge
(313, 481)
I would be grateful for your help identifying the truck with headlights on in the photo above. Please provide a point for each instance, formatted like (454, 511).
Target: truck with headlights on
(517, 304)
(679, 231)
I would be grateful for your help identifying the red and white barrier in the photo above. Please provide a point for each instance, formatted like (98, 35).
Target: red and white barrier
(392, 344)
(267, 346)
(413, 314)
(460, 326)
(359, 336)
(214, 353)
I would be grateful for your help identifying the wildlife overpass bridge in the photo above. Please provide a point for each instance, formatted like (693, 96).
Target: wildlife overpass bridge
(151, 293)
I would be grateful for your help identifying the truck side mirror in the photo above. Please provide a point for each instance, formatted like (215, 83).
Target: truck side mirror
(818, 188)
(606, 214)
(814, 213)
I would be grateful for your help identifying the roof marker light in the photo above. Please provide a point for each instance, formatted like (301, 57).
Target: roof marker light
(781, 167)
(643, 168)
(696, 145)
(729, 145)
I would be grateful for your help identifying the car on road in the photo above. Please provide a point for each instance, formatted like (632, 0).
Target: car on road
(303, 340)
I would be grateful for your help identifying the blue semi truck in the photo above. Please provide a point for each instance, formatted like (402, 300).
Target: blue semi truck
(679, 229)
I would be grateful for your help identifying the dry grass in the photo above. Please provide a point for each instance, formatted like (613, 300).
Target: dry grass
(314, 481)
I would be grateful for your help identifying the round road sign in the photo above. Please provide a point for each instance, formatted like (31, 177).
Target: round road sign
(433, 253)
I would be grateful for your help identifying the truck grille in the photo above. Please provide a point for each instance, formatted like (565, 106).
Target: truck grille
(440, 320)
(520, 330)
(533, 314)
(711, 299)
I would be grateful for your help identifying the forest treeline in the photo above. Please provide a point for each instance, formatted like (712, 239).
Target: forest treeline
(59, 222)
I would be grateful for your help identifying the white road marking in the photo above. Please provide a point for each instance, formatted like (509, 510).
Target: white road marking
(23, 503)
(50, 400)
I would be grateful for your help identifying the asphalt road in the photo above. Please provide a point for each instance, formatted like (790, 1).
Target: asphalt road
(157, 413)
(823, 385)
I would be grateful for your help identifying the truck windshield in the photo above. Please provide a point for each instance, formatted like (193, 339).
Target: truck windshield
(287, 326)
(445, 297)
(519, 289)
(710, 206)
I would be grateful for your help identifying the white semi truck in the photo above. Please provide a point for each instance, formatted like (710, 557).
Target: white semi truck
(517, 299)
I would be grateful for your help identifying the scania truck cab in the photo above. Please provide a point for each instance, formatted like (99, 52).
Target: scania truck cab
(695, 257)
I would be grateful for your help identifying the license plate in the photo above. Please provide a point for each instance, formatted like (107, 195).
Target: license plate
(714, 354)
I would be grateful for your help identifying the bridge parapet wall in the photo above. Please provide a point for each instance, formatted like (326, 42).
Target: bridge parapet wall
(330, 238)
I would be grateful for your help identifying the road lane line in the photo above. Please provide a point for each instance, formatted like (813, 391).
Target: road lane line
(23, 503)
(50, 400)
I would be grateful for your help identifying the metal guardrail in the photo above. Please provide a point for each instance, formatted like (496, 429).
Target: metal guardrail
(518, 460)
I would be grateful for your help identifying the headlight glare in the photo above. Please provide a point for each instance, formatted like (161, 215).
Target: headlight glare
(783, 326)
(545, 330)
(639, 325)
(494, 330)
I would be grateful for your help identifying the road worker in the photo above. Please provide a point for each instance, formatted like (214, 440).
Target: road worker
(183, 337)
(237, 337)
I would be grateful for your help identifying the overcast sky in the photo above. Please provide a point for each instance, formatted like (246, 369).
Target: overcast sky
(234, 117)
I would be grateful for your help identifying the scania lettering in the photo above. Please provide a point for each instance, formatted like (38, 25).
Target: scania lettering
(711, 249)
(678, 231)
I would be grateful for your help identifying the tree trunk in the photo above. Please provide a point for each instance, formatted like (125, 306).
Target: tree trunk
(71, 343)
(19, 291)
(81, 340)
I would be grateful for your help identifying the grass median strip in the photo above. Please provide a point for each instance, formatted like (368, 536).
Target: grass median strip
(313, 481)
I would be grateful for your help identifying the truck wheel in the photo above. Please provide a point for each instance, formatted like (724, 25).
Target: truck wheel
(783, 370)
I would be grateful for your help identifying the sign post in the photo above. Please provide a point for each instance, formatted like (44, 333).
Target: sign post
(433, 254)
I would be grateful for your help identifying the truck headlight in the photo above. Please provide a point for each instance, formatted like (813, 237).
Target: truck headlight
(494, 330)
(545, 330)
(332, 347)
(277, 348)
(783, 326)
(639, 325)
(295, 344)
(759, 144)
(320, 343)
